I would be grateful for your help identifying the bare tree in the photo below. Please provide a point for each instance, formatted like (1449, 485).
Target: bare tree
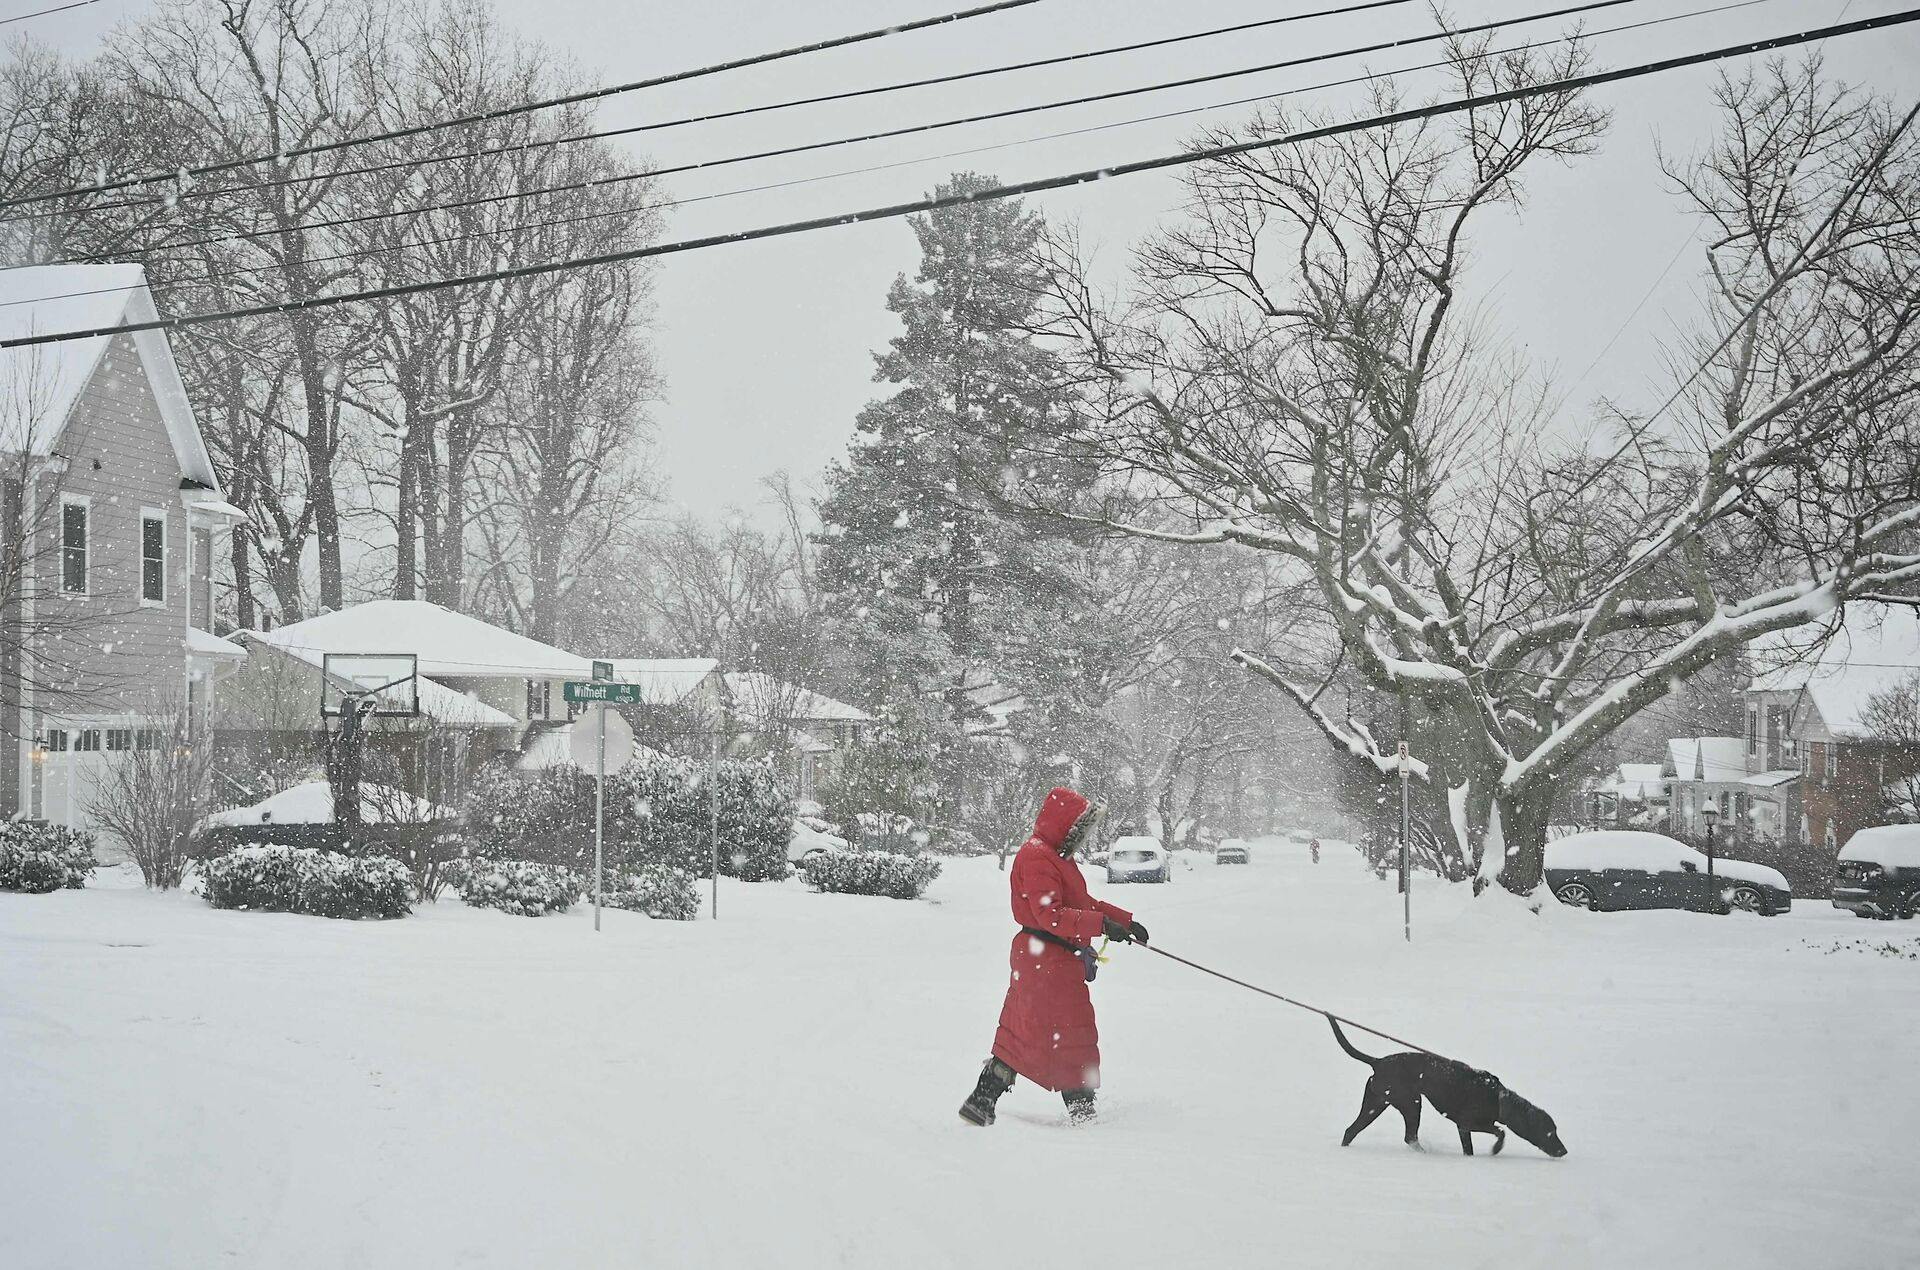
(1892, 719)
(155, 792)
(1297, 377)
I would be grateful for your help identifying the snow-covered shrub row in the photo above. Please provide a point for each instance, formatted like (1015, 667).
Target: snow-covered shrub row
(901, 877)
(657, 813)
(42, 858)
(659, 890)
(524, 888)
(281, 879)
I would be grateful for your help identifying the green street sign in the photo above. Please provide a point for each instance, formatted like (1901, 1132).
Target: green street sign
(581, 691)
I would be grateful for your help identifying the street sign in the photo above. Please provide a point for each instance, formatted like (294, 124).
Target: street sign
(587, 692)
(602, 671)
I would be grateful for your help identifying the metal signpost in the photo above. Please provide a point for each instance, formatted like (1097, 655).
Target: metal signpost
(599, 692)
(1406, 827)
(713, 818)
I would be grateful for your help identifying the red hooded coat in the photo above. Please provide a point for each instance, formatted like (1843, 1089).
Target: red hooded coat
(1047, 1033)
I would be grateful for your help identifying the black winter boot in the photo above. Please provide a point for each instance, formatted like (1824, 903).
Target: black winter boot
(1079, 1105)
(996, 1078)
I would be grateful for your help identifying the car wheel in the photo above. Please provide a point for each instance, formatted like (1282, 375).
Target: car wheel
(1578, 895)
(1747, 899)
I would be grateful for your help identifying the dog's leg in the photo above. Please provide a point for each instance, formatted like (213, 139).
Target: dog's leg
(1372, 1103)
(1499, 1139)
(1466, 1139)
(1409, 1109)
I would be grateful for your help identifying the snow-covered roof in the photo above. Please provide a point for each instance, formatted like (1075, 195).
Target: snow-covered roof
(1635, 780)
(1707, 758)
(1873, 649)
(449, 645)
(312, 804)
(206, 644)
(438, 702)
(40, 384)
(761, 693)
(1772, 780)
(664, 681)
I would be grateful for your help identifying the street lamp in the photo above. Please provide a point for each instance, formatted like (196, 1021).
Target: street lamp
(1709, 812)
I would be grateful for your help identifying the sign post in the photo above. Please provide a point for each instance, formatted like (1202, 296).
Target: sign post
(713, 818)
(1406, 826)
(600, 693)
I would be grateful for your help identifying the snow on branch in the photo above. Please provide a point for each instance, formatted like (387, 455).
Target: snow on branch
(1354, 739)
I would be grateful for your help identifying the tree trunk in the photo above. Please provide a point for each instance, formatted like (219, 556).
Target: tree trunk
(318, 445)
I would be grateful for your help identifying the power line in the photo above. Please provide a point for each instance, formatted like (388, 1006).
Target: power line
(505, 112)
(41, 13)
(629, 209)
(1017, 189)
(911, 130)
(519, 147)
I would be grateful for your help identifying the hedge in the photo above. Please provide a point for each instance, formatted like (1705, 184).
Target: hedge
(900, 877)
(657, 815)
(38, 858)
(282, 879)
(524, 888)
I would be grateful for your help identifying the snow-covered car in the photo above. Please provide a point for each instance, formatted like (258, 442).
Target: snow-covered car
(1878, 874)
(812, 837)
(1231, 851)
(1138, 859)
(1627, 869)
(1301, 836)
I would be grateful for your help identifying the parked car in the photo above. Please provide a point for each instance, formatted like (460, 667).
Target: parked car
(1879, 872)
(1138, 859)
(1231, 851)
(812, 837)
(1623, 869)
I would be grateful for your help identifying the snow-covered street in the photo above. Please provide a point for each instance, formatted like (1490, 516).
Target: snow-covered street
(195, 1088)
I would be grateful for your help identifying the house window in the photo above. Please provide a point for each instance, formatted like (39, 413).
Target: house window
(149, 739)
(1833, 759)
(539, 697)
(119, 738)
(153, 557)
(1753, 730)
(87, 741)
(56, 741)
(73, 546)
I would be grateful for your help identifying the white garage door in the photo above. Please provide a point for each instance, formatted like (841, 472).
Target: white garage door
(72, 759)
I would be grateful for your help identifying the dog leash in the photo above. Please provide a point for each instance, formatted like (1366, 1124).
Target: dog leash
(1267, 992)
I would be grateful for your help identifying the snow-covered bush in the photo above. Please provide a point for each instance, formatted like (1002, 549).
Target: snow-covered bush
(281, 879)
(657, 813)
(659, 890)
(525, 888)
(900, 877)
(756, 823)
(42, 858)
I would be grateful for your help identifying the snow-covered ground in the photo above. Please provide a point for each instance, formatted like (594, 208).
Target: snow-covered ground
(194, 1088)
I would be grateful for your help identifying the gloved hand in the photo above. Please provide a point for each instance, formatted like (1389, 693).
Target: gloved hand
(1115, 931)
(1137, 933)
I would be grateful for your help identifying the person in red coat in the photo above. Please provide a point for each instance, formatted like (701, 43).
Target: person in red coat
(1047, 1032)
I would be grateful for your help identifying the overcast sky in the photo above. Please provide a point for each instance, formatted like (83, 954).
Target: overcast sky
(767, 348)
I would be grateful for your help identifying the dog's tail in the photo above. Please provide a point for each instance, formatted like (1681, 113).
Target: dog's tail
(1347, 1045)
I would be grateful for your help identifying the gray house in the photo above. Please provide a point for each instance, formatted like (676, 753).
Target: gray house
(108, 506)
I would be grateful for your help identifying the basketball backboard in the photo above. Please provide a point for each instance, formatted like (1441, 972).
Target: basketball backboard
(391, 679)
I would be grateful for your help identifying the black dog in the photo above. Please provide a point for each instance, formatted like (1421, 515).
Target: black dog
(1474, 1100)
